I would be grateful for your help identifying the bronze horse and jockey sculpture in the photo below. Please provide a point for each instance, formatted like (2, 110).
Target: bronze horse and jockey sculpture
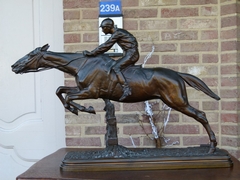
(99, 76)
(93, 81)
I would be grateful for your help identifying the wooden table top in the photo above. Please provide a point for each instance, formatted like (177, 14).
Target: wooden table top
(49, 168)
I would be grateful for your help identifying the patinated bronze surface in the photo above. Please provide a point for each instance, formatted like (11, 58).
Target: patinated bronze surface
(129, 45)
(93, 81)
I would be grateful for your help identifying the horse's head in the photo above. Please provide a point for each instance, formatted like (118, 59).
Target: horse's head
(30, 62)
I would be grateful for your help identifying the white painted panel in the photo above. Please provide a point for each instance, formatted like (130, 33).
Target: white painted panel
(31, 116)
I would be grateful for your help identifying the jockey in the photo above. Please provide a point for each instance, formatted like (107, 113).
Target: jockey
(129, 45)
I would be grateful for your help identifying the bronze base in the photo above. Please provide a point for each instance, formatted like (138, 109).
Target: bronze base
(149, 159)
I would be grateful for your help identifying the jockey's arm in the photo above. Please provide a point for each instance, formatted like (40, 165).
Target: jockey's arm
(105, 46)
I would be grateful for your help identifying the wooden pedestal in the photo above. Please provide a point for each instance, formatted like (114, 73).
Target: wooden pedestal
(49, 168)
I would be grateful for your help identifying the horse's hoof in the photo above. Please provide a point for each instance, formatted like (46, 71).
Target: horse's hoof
(211, 150)
(90, 109)
(75, 111)
(212, 147)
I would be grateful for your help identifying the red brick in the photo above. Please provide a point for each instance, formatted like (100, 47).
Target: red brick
(180, 59)
(182, 129)
(228, 21)
(80, 47)
(229, 129)
(199, 46)
(159, 47)
(133, 106)
(229, 81)
(129, 3)
(178, 12)
(229, 58)
(69, 4)
(191, 23)
(90, 37)
(211, 81)
(195, 140)
(140, 13)
(230, 69)
(209, 34)
(83, 119)
(179, 35)
(67, 76)
(153, 60)
(130, 24)
(229, 34)
(72, 38)
(229, 46)
(70, 15)
(230, 141)
(148, 142)
(228, 117)
(73, 130)
(127, 118)
(198, 2)
(91, 130)
(209, 105)
(231, 106)
(145, 36)
(158, 24)
(90, 14)
(228, 9)
(83, 141)
(210, 58)
(209, 11)
(137, 129)
(70, 83)
(127, 141)
(145, 3)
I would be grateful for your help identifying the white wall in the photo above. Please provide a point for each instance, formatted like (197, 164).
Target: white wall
(31, 116)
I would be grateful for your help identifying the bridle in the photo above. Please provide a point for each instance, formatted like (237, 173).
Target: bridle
(31, 61)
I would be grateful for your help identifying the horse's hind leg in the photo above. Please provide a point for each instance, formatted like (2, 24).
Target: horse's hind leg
(200, 117)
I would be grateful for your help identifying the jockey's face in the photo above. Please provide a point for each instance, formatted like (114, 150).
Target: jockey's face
(106, 30)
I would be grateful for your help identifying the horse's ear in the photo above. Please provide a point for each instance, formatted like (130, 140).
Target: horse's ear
(45, 47)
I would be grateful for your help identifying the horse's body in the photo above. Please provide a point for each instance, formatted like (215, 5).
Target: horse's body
(95, 79)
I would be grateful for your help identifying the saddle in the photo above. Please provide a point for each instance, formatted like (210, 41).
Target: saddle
(135, 70)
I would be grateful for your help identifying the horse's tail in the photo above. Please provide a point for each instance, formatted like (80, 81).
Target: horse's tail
(198, 84)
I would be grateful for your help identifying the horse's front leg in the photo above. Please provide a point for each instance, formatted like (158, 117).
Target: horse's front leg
(82, 94)
(67, 90)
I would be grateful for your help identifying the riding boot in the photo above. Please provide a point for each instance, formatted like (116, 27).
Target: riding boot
(124, 84)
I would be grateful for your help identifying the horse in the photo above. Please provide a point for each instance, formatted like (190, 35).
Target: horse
(95, 79)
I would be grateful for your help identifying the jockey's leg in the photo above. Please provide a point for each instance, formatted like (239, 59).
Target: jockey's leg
(123, 82)
(130, 58)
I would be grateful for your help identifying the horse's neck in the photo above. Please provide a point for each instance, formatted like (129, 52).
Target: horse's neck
(61, 58)
(63, 61)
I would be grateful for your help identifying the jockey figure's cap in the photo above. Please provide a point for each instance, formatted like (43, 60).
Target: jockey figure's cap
(107, 23)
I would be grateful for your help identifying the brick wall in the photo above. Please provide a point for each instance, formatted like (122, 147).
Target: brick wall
(197, 37)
